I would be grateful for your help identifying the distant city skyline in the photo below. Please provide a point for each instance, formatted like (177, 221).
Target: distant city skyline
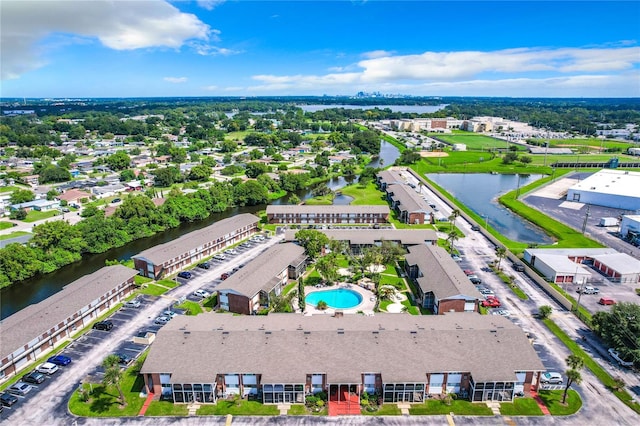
(157, 48)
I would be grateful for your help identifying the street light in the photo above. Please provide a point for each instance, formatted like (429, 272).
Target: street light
(486, 221)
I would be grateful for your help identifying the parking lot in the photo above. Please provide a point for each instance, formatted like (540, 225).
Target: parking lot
(89, 350)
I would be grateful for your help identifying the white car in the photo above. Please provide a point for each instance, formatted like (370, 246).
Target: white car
(169, 314)
(132, 304)
(219, 257)
(551, 378)
(201, 293)
(502, 312)
(162, 320)
(47, 368)
(231, 251)
(615, 355)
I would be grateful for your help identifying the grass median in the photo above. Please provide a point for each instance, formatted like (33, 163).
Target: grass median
(459, 407)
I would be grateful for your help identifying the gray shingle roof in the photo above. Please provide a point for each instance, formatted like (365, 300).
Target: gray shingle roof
(400, 347)
(165, 252)
(408, 198)
(332, 209)
(371, 236)
(259, 274)
(441, 274)
(20, 328)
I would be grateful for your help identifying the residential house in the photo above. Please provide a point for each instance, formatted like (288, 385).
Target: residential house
(165, 259)
(73, 196)
(282, 358)
(38, 328)
(250, 289)
(442, 286)
(38, 205)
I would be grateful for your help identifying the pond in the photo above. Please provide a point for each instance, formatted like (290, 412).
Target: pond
(480, 191)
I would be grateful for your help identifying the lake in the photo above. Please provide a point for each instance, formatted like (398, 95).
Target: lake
(480, 191)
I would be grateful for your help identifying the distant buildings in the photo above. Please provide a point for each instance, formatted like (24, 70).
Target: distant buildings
(618, 189)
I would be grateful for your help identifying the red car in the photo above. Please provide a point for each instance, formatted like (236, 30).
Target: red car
(224, 276)
(491, 302)
(468, 272)
(606, 301)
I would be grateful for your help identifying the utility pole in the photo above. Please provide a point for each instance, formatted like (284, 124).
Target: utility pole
(586, 217)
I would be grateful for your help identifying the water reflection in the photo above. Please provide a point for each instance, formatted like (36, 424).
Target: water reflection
(479, 192)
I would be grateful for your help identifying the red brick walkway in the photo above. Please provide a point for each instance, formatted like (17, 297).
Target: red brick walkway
(543, 407)
(146, 404)
(348, 406)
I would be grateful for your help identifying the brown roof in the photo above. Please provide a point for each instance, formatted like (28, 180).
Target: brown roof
(20, 328)
(162, 253)
(73, 195)
(260, 273)
(284, 348)
(441, 274)
(372, 236)
(332, 209)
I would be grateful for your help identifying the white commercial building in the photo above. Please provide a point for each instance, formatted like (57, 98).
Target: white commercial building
(609, 188)
(630, 223)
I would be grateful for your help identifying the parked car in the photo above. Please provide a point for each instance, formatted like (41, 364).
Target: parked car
(518, 267)
(487, 292)
(224, 276)
(59, 360)
(491, 302)
(219, 257)
(468, 272)
(456, 258)
(616, 355)
(7, 399)
(606, 301)
(169, 314)
(201, 293)
(115, 200)
(34, 377)
(588, 290)
(231, 251)
(20, 388)
(103, 325)
(204, 265)
(476, 280)
(47, 368)
(132, 304)
(184, 274)
(124, 358)
(162, 320)
(551, 378)
(502, 312)
(475, 228)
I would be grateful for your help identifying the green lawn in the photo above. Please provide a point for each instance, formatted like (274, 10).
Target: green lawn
(238, 408)
(384, 410)
(553, 401)
(139, 279)
(325, 200)
(521, 407)
(6, 225)
(591, 142)
(14, 235)
(459, 407)
(592, 365)
(168, 283)
(472, 140)
(367, 194)
(153, 290)
(8, 188)
(297, 410)
(192, 308)
(103, 400)
(35, 215)
(210, 303)
(166, 408)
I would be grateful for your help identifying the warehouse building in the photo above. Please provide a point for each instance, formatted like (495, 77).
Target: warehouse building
(618, 189)
(630, 228)
(281, 358)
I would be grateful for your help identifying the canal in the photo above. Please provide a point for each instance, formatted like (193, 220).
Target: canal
(21, 295)
(480, 192)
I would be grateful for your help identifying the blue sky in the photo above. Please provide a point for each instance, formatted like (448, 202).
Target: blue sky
(120, 48)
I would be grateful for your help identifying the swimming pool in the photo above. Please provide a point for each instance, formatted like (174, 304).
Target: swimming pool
(339, 298)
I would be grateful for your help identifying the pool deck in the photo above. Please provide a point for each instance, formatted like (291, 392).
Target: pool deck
(366, 306)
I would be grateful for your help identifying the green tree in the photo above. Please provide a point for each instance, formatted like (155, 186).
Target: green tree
(113, 375)
(18, 214)
(452, 236)
(228, 146)
(22, 196)
(455, 213)
(545, 311)
(509, 158)
(250, 193)
(327, 267)
(573, 376)
(253, 170)
(119, 161)
(501, 253)
(313, 241)
(53, 173)
(200, 173)
(166, 176)
(526, 159)
(620, 329)
(51, 194)
(127, 175)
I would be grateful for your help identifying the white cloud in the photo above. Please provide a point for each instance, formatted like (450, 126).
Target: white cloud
(176, 80)
(209, 4)
(513, 72)
(377, 54)
(125, 25)
(210, 50)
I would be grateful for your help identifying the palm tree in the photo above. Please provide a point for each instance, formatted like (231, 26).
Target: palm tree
(455, 213)
(573, 376)
(452, 237)
(386, 292)
(501, 253)
(575, 364)
(327, 267)
(113, 375)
